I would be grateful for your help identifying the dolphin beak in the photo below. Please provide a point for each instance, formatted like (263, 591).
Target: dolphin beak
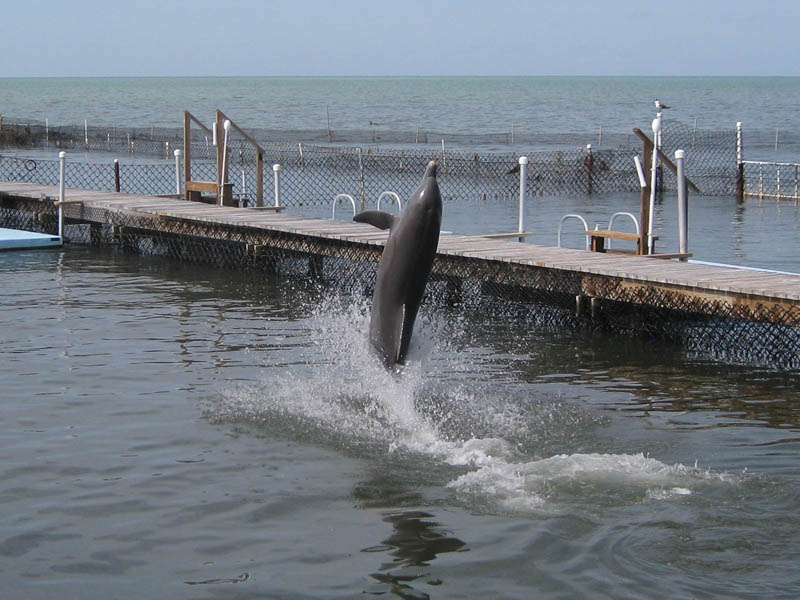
(430, 170)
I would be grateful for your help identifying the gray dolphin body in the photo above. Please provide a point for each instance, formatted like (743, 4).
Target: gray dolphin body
(404, 268)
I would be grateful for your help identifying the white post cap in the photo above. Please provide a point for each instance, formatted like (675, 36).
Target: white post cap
(177, 152)
(680, 154)
(276, 167)
(523, 160)
(62, 154)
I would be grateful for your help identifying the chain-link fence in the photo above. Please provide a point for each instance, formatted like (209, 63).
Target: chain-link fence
(314, 173)
(737, 330)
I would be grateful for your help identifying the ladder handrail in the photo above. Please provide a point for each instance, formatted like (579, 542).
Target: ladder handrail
(573, 216)
(338, 200)
(392, 196)
(622, 214)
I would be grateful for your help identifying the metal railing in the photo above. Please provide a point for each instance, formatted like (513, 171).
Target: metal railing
(778, 180)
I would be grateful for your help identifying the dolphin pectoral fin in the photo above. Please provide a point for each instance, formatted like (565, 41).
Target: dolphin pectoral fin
(376, 218)
(409, 316)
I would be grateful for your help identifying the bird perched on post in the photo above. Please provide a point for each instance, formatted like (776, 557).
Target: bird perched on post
(659, 105)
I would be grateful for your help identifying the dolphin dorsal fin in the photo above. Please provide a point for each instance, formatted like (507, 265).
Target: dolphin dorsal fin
(376, 218)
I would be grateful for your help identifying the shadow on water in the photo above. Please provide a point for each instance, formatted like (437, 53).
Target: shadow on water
(415, 542)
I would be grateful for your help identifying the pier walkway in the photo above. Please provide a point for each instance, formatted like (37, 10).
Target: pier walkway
(584, 283)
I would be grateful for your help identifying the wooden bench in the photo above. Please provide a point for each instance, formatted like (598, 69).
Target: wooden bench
(500, 236)
(268, 208)
(599, 236)
(195, 190)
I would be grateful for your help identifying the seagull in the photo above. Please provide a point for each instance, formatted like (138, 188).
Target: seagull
(659, 106)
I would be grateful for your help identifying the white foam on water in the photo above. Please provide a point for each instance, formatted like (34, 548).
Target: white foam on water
(445, 413)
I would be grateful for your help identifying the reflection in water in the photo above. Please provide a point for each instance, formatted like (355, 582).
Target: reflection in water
(415, 542)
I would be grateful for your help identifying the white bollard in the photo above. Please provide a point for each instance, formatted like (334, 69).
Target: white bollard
(177, 154)
(683, 206)
(653, 185)
(62, 160)
(277, 177)
(523, 183)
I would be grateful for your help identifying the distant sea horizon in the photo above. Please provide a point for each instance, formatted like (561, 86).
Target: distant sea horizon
(477, 104)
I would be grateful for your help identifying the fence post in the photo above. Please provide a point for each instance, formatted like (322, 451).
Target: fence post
(362, 191)
(523, 184)
(116, 175)
(86, 132)
(739, 164)
(589, 163)
(177, 171)
(62, 160)
(683, 204)
(276, 168)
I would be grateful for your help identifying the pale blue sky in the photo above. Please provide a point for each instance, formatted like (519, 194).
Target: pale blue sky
(405, 37)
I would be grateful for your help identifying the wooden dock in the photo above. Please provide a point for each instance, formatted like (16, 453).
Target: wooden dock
(691, 288)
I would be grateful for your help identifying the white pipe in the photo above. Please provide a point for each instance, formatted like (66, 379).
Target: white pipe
(640, 171)
(653, 182)
(683, 214)
(523, 183)
(276, 169)
(62, 159)
(224, 176)
(177, 154)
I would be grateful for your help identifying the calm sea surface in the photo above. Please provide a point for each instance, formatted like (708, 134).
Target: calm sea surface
(529, 105)
(169, 430)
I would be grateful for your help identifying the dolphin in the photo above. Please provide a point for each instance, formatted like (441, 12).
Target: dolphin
(404, 267)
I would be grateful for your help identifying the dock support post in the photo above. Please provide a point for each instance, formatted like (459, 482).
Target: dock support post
(739, 164)
(178, 171)
(62, 160)
(523, 183)
(683, 205)
(276, 168)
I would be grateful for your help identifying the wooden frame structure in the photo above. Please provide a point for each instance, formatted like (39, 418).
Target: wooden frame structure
(221, 188)
(644, 211)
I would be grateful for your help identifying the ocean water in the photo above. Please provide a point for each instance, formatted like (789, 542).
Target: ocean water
(191, 432)
(529, 105)
(183, 431)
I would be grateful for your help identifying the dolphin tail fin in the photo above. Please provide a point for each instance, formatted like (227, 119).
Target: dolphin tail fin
(376, 218)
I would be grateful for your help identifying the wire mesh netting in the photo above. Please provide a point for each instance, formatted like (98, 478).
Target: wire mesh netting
(713, 327)
(315, 173)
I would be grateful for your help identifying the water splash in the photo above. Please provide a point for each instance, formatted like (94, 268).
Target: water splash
(445, 410)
